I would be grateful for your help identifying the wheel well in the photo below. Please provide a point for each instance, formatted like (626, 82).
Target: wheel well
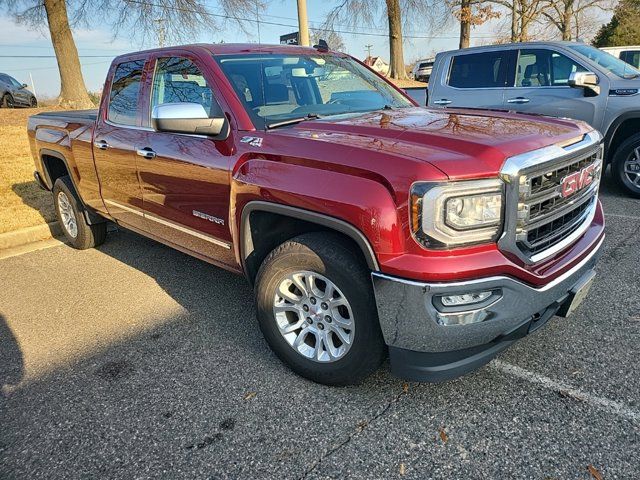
(263, 231)
(55, 168)
(624, 131)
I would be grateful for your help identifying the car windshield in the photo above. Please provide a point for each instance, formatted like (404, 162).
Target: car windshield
(606, 60)
(278, 89)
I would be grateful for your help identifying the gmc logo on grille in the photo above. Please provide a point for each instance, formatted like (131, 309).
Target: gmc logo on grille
(578, 180)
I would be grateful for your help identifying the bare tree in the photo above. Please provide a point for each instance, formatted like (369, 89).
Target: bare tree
(398, 14)
(524, 14)
(569, 15)
(180, 18)
(471, 13)
(333, 38)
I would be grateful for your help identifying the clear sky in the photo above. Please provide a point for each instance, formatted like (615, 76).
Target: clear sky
(96, 45)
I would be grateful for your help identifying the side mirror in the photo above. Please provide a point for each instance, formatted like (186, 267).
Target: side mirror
(587, 80)
(189, 118)
(24, 85)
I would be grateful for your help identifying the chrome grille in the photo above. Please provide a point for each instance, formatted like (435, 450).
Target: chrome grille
(542, 220)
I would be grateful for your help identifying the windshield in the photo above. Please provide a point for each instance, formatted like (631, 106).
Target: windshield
(277, 88)
(606, 60)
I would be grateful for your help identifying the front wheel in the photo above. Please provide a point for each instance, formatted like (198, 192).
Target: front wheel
(625, 166)
(317, 311)
(77, 231)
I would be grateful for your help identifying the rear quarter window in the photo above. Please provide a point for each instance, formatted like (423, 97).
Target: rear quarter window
(125, 93)
(479, 70)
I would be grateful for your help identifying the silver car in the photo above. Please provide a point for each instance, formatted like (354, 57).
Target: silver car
(422, 70)
(561, 79)
(15, 94)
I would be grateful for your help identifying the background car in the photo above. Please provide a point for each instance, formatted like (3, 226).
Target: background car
(422, 70)
(629, 54)
(15, 94)
(560, 79)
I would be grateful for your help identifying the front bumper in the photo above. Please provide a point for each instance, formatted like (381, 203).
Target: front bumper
(423, 348)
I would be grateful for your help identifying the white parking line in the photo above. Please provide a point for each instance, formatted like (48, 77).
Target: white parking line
(559, 387)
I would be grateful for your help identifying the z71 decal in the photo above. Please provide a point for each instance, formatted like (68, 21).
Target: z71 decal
(253, 141)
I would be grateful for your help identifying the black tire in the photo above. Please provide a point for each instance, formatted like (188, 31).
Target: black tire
(624, 152)
(33, 103)
(331, 256)
(7, 101)
(86, 236)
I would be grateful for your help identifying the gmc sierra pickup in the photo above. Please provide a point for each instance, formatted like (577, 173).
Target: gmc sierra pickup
(367, 225)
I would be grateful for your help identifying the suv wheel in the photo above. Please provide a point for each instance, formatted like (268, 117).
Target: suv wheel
(7, 101)
(76, 230)
(626, 165)
(33, 102)
(317, 310)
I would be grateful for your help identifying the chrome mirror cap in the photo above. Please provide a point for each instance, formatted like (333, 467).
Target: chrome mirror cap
(188, 118)
(586, 80)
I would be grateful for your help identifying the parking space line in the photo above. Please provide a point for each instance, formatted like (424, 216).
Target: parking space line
(598, 402)
(617, 215)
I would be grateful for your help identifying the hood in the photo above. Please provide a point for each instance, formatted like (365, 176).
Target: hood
(460, 143)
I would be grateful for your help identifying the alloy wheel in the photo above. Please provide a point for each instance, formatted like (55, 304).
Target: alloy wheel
(632, 167)
(67, 215)
(314, 316)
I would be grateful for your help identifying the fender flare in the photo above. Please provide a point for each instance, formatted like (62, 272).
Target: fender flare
(91, 217)
(613, 129)
(246, 242)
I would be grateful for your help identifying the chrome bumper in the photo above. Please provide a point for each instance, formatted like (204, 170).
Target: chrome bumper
(410, 321)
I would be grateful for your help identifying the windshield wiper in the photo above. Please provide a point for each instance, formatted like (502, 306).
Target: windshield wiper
(292, 121)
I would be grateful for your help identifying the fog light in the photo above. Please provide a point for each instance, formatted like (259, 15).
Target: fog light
(464, 299)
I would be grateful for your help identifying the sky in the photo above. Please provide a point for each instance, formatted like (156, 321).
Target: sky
(97, 47)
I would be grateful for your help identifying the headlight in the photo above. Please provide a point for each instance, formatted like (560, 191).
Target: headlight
(456, 213)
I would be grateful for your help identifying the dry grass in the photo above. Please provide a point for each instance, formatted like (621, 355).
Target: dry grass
(407, 83)
(22, 202)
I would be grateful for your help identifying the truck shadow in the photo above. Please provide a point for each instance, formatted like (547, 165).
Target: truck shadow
(36, 198)
(11, 361)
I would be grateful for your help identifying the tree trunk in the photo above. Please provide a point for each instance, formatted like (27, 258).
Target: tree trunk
(514, 21)
(567, 17)
(73, 92)
(397, 69)
(465, 23)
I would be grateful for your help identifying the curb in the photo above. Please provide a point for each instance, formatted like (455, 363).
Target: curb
(29, 235)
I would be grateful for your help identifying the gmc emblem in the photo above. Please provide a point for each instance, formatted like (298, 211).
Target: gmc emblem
(578, 180)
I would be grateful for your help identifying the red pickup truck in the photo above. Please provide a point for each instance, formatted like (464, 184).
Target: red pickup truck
(367, 225)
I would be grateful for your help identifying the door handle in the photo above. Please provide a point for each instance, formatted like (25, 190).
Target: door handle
(146, 153)
(444, 101)
(518, 100)
(101, 144)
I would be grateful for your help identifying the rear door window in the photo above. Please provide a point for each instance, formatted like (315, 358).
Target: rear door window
(125, 93)
(480, 70)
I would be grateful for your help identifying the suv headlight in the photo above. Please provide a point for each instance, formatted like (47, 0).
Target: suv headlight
(456, 213)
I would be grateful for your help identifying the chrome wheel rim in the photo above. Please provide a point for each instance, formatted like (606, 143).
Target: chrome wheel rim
(632, 168)
(314, 316)
(67, 215)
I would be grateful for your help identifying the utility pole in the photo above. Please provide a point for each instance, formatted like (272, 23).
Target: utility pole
(368, 48)
(258, 21)
(303, 23)
(161, 31)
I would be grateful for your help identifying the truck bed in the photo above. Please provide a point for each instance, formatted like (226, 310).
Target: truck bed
(71, 115)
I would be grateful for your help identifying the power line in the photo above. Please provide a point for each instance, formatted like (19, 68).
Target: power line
(53, 56)
(52, 68)
(278, 24)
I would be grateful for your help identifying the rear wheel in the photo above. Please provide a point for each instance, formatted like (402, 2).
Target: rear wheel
(317, 310)
(33, 102)
(626, 165)
(74, 225)
(7, 101)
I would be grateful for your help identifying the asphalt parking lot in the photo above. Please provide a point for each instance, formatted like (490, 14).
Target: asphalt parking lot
(137, 361)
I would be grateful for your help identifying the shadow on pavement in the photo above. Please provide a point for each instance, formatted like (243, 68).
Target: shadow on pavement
(11, 362)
